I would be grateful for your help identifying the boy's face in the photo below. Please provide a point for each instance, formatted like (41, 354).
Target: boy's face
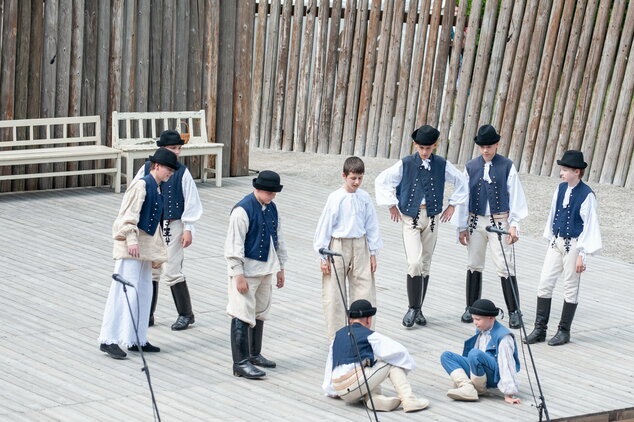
(483, 323)
(264, 197)
(425, 150)
(569, 175)
(488, 151)
(352, 181)
(163, 173)
(176, 149)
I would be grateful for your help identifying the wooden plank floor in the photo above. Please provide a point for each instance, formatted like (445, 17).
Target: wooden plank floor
(56, 270)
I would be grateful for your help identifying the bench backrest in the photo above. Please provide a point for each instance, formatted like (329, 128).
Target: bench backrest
(50, 131)
(132, 128)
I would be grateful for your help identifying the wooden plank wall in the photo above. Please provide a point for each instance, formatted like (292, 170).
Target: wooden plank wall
(359, 76)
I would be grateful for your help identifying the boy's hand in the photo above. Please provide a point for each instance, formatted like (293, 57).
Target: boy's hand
(512, 237)
(186, 239)
(156, 265)
(511, 400)
(447, 213)
(325, 266)
(463, 237)
(580, 267)
(373, 263)
(280, 279)
(395, 214)
(133, 250)
(241, 283)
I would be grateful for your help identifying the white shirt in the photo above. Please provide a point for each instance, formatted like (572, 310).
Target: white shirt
(348, 215)
(237, 263)
(506, 362)
(387, 181)
(518, 208)
(384, 349)
(193, 208)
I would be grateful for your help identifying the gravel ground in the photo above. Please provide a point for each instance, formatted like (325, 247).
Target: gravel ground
(616, 223)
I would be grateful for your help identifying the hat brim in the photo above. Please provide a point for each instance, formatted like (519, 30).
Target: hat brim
(484, 312)
(274, 188)
(362, 313)
(571, 165)
(166, 144)
(163, 163)
(487, 142)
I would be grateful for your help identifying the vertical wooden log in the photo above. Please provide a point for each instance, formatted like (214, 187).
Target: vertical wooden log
(270, 60)
(563, 88)
(440, 70)
(396, 136)
(629, 182)
(181, 53)
(21, 76)
(487, 31)
(624, 169)
(301, 116)
(167, 56)
(128, 58)
(391, 80)
(114, 62)
(49, 69)
(89, 77)
(103, 65)
(292, 79)
(599, 122)
(226, 71)
(154, 65)
(210, 73)
(144, 49)
(75, 81)
(64, 30)
(241, 88)
(195, 56)
(258, 71)
(280, 77)
(7, 77)
(368, 77)
(354, 83)
(430, 55)
(36, 45)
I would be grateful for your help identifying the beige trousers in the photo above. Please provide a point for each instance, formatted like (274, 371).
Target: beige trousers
(478, 240)
(561, 258)
(351, 386)
(419, 242)
(252, 305)
(171, 272)
(357, 281)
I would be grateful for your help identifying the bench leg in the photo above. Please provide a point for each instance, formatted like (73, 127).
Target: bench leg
(129, 171)
(117, 176)
(203, 165)
(219, 169)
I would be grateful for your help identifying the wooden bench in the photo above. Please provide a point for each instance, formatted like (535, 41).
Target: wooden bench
(57, 140)
(135, 134)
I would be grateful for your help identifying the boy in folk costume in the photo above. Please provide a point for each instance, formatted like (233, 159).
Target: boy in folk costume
(254, 250)
(489, 358)
(348, 225)
(573, 232)
(496, 198)
(138, 247)
(181, 210)
(413, 189)
(382, 358)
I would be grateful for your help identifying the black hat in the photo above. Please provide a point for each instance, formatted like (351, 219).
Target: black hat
(165, 157)
(268, 180)
(361, 308)
(573, 159)
(487, 136)
(170, 137)
(484, 307)
(425, 135)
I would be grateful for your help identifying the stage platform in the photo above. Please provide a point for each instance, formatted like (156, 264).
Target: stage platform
(56, 266)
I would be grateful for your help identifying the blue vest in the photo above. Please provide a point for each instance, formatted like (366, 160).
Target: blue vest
(343, 350)
(498, 332)
(152, 208)
(496, 192)
(567, 222)
(262, 227)
(418, 183)
(172, 190)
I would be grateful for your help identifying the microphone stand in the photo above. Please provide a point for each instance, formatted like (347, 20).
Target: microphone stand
(541, 407)
(351, 334)
(140, 348)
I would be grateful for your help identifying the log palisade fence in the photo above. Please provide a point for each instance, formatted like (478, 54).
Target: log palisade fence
(336, 76)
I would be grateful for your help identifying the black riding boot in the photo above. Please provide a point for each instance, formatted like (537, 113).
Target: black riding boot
(509, 284)
(542, 315)
(256, 346)
(155, 288)
(414, 296)
(474, 291)
(240, 351)
(420, 318)
(563, 333)
(183, 303)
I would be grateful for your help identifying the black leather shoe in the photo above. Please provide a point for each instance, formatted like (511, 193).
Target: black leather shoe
(247, 370)
(113, 350)
(538, 335)
(260, 360)
(410, 317)
(466, 317)
(148, 348)
(515, 320)
(183, 322)
(560, 338)
(420, 318)
(183, 303)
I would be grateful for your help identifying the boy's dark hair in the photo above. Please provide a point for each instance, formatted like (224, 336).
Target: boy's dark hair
(353, 165)
(581, 173)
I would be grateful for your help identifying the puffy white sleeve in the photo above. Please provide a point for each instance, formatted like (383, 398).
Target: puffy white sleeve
(589, 241)
(282, 252)
(461, 187)
(140, 173)
(517, 200)
(548, 230)
(506, 363)
(372, 227)
(234, 242)
(326, 222)
(390, 351)
(461, 216)
(386, 182)
(193, 209)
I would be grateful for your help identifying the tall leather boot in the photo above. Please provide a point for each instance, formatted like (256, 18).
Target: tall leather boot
(256, 346)
(414, 296)
(563, 333)
(420, 318)
(509, 284)
(155, 287)
(183, 303)
(542, 315)
(474, 291)
(240, 351)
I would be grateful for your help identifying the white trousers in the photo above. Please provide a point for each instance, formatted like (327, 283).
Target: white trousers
(351, 386)
(171, 272)
(419, 242)
(254, 304)
(561, 258)
(117, 327)
(478, 240)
